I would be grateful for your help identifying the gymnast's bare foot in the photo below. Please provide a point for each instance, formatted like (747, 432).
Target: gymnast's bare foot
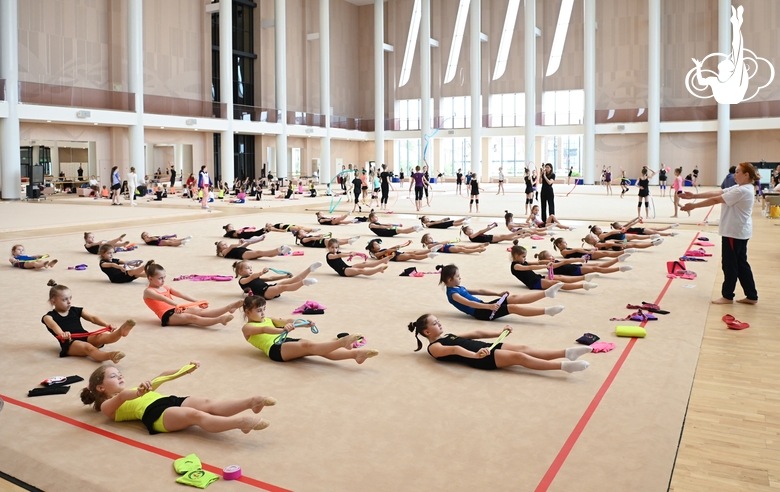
(258, 402)
(363, 354)
(722, 300)
(126, 327)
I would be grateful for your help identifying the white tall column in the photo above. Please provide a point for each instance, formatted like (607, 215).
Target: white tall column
(280, 52)
(530, 81)
(589, 116)
(425, 79)
(654, 88)
(135, 69)
(475, 60)
(226, 152)
(724, 110)
(10, 161)
(325, 168)
(379, 81)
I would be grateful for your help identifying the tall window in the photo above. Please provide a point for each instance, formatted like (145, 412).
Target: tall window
(563, 107)
(564, 152)
(507, 109)
(296, 161)
(244, 156)
(409, 114)
(407, 154)
(455, 112)
(507, 153)
(457, 155)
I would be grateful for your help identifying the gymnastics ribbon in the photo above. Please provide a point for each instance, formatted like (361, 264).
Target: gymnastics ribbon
(298, 322)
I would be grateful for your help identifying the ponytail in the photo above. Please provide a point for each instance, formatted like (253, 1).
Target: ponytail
(418, 327)
(90, 395)
(151, 268)
(217, 245)
(236, 265)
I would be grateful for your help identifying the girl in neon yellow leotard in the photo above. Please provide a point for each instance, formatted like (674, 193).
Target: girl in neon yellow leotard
(106, 392)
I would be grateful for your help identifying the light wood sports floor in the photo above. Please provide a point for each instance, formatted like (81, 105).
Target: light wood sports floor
(401, 421)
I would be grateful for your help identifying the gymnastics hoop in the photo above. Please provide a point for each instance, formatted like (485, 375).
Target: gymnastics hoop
(499, 339)
(283, 336)
(85, 335)
(182, 307)
(652, 203)
(330, 190)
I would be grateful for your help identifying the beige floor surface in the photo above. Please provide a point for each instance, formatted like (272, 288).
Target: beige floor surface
(400, 421)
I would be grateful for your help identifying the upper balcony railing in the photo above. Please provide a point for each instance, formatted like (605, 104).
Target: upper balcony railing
(79, 97)
(177, 106)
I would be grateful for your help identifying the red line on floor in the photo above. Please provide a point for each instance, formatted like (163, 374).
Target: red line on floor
(136, 444)
(557, 463)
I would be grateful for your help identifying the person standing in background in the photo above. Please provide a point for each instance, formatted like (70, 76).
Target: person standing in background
(548, 197)
(132, 184)
(204, 183)
(173, 176)
(116, 185)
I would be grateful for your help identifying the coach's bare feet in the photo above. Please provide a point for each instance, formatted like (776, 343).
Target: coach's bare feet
(258, 402)
(748, 301)
(723, 300)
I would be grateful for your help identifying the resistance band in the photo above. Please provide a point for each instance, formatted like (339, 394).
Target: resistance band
(499, 339)
(298, 322)
(156, 382)
(500, 302)
(182, 307)
(84, 335)
(30, 258)
(280, 272)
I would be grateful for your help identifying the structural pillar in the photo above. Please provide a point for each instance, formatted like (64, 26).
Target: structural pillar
(654, 88)
(10, 161)
(724, 110)
(475, 60)
(280, 60)
(325, 168)
(379, 81)
(425, 79)
(135, 82)
(530, 82)
(226, 151)
(589, 139)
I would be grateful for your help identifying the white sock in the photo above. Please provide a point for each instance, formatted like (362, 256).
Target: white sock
(553, 310)
(590, 276)
(655, 236)
(353, 239)
(626, 268)
(418, 228)
(551, 291)
(314, 266)
(574, 366)
(309, 281)
(629, 250)
(573, 353)
(437, 247)
(315, 229)
(658, 241)
(571, 228)
(623, 257)
(674, 226)
(284, 249)
(589, 285)
(433, 254)
(674, 233)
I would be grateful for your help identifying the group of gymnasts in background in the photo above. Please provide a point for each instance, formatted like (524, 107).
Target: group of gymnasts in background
(544, 276)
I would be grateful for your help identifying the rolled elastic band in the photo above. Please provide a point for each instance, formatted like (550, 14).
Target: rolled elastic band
(232, 472)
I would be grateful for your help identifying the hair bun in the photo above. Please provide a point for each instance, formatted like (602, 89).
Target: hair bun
(411, 327)
(439, 267)
(51, 283)
(516, 242)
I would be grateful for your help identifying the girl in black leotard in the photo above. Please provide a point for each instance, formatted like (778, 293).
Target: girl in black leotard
(466, 349)
(64, 320)
(444, 223)
(319, 240)
(335, 260)
(573, 267)
(259, 286)
(481, 237)
(620, 235)
(524, 272)
(395, 253)
(529, 191)
(150, 240)
(559, 243)
(239, 252)
(342, 219)
(243, 233)
(644, 191)
(643, 231)
(117, 270)
(474, 192)
(93, 246)
(389, 230)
